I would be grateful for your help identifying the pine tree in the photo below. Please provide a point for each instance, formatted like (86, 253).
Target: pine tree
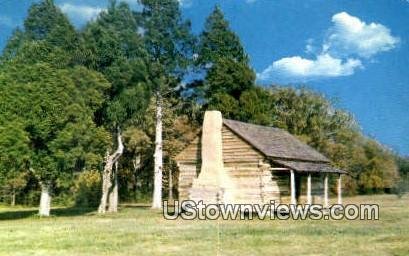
(45, 21)
(223, 58)
(54, 109)
(219, 41)
(169, 43)
(54, 101)
(116, 49)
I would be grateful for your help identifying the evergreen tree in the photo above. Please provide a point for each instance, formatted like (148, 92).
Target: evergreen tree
(218, 40)
(222, 57)
(15, 156)
(116, 49)
(65, 97)
(230, 77)
(54, 108)
(54, 101)
(45, 21)
(13, 44)
(46, 29)
(169, 43)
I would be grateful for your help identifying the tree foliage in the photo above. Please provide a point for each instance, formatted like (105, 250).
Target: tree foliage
(225, 63)
(115, 48)
(167, 37)
(334, 132)
(217, 40)
(57, 118)
(64, 92)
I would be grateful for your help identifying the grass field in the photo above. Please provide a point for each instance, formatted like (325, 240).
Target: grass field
(141, 231)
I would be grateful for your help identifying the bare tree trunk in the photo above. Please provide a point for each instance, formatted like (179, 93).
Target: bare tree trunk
(45, 200)
(170, 197)
(157, 185)
(106, 184)
(107, 175)
(113, 195)
(136, 163)
(13, 197)
(136, 166)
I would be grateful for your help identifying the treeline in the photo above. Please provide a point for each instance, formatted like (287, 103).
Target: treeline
(68, 97)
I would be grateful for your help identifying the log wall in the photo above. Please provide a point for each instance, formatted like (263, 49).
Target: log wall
(189, 161)
(246, 167)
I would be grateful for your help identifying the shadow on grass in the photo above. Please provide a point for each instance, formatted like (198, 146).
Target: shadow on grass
(136, 206)
(59, 212)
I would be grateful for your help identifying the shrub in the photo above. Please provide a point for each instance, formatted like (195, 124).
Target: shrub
(87, 189)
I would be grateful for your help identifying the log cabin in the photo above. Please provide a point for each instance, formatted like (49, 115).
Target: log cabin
(241, 163)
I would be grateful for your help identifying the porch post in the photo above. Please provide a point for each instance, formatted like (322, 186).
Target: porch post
(339, 190)
(293, 201)
(309, 199)
(326, 191)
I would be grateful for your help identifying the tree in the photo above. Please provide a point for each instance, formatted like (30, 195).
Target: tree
(217, 40)
(403, 184)
(116, 49)
(225, 103)
(110, 180)
(256, 106)
(169, 43)
(225, 64)
(13, 44)
(39, 62)
(314, 119)
(381, 172)
(49, 34)
(45, 21)
(14, 156)
(114, 46)
(179, 132)
(55, 109)
(230, 77)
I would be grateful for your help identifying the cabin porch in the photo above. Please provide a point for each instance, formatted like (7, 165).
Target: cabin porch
(308, 187)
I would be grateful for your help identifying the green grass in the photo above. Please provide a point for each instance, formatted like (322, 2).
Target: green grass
(141, 231)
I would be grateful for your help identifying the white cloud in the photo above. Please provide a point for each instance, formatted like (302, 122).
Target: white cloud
(80, 12)
(309, 47)
(349, 35)
(301, 69)
(348, 40)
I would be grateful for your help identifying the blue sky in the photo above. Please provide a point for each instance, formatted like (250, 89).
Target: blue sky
(354, 51)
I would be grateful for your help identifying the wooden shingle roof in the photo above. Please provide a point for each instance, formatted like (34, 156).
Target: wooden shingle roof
(275, 143)
(303, 166)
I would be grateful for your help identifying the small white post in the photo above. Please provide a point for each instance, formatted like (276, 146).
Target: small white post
(309, 199)
(339, 190)
(293, 200)
(326, 191)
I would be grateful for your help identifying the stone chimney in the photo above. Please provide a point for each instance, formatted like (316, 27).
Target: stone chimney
(214, 184)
